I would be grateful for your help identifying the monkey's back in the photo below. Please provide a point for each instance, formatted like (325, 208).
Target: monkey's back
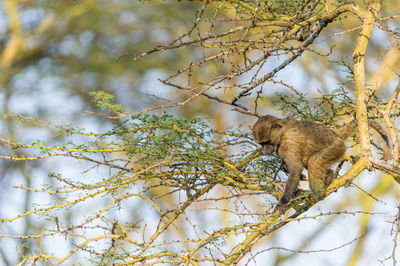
(306, 139)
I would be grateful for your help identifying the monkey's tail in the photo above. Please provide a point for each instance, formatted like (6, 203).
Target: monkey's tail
(347, 130)
(387, 153)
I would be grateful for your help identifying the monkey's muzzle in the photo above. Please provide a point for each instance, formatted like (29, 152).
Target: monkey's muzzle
(267, 147)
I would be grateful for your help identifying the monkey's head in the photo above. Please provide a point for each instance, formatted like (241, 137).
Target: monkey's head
(267, 132)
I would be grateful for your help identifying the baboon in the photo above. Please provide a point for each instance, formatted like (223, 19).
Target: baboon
(307, 145)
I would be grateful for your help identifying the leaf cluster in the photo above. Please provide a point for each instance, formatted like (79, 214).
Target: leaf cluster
(152, 138)
(322, 109)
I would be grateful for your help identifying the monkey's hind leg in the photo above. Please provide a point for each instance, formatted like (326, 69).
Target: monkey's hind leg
(319, 173)
(330, 176)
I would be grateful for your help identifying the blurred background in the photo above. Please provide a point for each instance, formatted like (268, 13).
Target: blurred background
(54, 53)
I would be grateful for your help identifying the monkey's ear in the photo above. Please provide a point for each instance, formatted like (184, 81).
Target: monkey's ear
(277, 125)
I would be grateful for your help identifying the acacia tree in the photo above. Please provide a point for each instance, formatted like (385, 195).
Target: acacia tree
(154, 182)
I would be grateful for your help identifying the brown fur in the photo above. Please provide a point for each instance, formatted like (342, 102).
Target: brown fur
(307, 145)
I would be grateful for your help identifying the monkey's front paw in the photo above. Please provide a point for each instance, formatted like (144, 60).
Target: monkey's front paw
(281, 208)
